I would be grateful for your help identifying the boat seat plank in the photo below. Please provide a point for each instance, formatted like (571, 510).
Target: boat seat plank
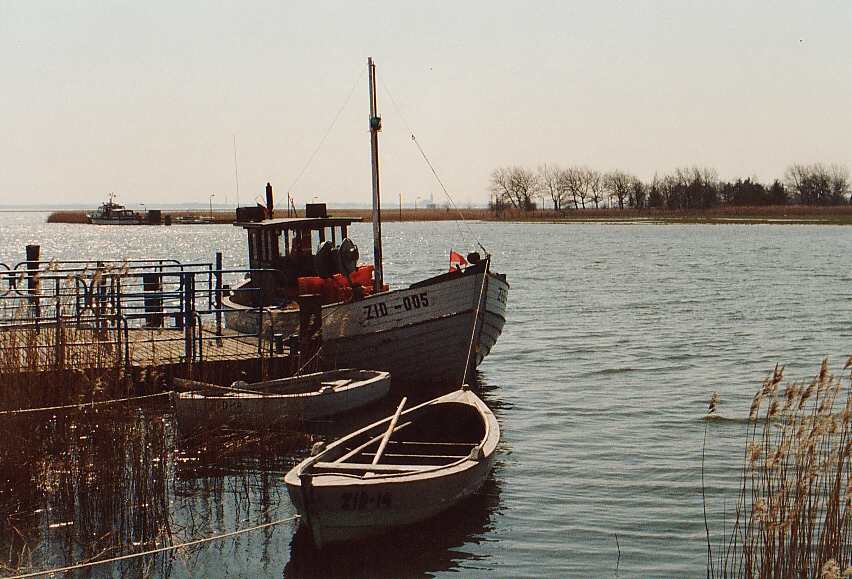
(418, 442)
(336, 383)
(397, 455)
(364, 467)
(372, 441)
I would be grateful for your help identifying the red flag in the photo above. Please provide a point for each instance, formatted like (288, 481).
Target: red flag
(457, 259)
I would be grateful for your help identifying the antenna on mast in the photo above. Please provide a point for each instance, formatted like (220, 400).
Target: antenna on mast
(375, 127)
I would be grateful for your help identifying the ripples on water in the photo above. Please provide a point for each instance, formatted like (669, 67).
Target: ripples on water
(616, 336)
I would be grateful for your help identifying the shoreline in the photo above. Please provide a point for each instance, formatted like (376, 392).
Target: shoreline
(774, 214)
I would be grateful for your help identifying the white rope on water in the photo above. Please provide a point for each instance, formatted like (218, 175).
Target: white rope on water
(154, 551)
(83, 405)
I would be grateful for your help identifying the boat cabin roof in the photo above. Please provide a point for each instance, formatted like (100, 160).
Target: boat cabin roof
(298, 223)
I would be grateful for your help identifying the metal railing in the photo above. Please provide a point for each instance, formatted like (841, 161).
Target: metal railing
(61, 314)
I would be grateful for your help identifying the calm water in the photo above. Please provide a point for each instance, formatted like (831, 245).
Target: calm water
(616, 337)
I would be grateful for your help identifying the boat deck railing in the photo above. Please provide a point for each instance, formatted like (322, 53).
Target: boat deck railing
(140, 311)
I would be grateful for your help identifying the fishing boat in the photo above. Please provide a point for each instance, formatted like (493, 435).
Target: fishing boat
(305, 397)
(434, 331)
(112, 213)
(398, 471)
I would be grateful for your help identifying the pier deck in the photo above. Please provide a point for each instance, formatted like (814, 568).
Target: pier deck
(166, 346)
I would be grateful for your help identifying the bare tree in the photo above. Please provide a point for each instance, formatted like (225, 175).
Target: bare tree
(578, 182)
(619, 185)
(638, 194)
(550, 177)
(501, 182)
(572, 183)
(794, 178)
(840, 186)
(596, 186)
(818, 184)
(516, 186)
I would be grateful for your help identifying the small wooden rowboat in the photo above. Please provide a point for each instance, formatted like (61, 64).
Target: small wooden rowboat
(398, 471)
(305, 397)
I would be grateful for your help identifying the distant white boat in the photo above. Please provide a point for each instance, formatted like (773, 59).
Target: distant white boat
(398, 471)
(306, 397)
(112, 213)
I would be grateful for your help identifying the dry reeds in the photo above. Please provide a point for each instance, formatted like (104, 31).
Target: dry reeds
(68, 217)
(56, 343)
(82, 485)
(795, 502)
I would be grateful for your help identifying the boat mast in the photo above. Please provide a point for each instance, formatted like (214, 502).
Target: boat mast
(375, 127)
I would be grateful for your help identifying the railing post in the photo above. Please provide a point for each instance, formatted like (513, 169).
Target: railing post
(33, 255)
(260, 312)
(59, 336)
(100, 295)
(218, 297)
(188, 317)
(200, 337)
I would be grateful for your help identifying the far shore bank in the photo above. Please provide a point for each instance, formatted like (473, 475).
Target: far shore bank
(778, 214)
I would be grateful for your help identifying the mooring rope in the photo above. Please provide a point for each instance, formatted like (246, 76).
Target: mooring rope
(476, 318)
(154, 551)
(311, 359)
(83, 405)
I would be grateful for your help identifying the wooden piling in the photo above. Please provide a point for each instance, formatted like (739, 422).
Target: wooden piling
(310, 329)
(152, 285)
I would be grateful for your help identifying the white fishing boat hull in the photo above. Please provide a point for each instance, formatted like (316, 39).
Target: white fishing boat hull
(419, 334)
(194, 409)
(345, 507)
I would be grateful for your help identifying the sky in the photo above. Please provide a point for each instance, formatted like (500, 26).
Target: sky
(146, 99)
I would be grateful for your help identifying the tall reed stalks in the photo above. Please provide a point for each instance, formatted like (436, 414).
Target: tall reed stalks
(795, 500)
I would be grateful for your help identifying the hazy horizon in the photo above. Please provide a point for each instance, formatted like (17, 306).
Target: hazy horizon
(146, 99)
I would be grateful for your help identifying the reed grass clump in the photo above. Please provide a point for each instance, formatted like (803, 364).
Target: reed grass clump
(61, 344)
(82, 485)
(794, 506)
(68, 217)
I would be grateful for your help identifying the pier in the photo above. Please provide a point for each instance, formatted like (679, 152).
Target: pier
(132, 324)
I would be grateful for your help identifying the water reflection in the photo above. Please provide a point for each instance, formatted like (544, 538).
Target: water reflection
(430, 547)
(90, 484)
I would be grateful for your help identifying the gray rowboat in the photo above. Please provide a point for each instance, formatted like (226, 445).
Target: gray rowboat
(398, 471)
(306, 397)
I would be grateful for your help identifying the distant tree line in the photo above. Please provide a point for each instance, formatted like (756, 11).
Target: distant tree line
(684, 188)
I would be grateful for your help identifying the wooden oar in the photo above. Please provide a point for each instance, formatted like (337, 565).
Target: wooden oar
(188, 385)
(387, 435)
(369, 443)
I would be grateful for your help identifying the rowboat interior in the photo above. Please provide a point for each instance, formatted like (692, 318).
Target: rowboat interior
(439, 435)
(336, 380)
